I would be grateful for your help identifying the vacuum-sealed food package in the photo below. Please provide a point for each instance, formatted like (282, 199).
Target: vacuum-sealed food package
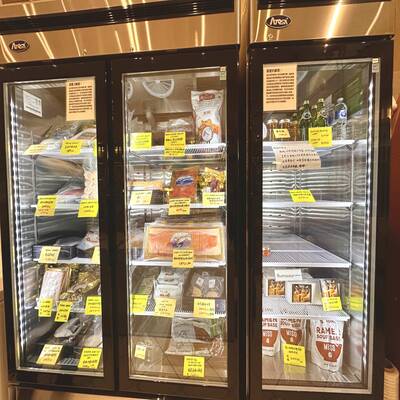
(196, 329)
(155, 186)
(207, 106)
(72, 332)
(54, 283)
(87, 245)
(184, 183)
(270, 336)
(153, 355)
(67, 248)
(204, 349)
(182, 125)
(94, 335)
(327, 344)
(90, 175)
(293, 331)
(206, 285)
(212, 180)
(170, 276)
(207, 241)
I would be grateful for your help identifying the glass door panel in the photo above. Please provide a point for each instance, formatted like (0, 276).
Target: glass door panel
(318, 136)
(52, 178)
(175, 185)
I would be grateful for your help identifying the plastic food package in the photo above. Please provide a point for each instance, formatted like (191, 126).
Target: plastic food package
(90, 174)
(206, 285)
(182, 125)
(293, 331)
(153, 361)
(213, 349)
(86, 246)
(184, 183)
(212, 180)
(270, 336)
(71, 332)
(196, 330)
(54, 282)
(94, 335)
(207, 115)
(327, 344)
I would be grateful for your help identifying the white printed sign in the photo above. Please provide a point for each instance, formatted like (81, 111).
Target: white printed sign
(32, 104)
(280, 87)
(292, 274)
(80, 99)
(294, 156)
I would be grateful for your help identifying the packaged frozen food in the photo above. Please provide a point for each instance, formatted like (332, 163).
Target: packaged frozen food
(60, 131)
(155, 186)
(305, 291)
(71, 332)
(207, 242)
(184, 183)
(206, 285)
(85, 247)
(90, 175)
(205, 349)
(293, 331)
(183, 125)
(70, 190)
(153, 356)
(172, 276)
(54, 282)
(327, 344)
(270, 336)
(212, 180)
(207, 115)
(67, 248)
(53, 166)
(196, 330)
(94, 335)
(329, 288)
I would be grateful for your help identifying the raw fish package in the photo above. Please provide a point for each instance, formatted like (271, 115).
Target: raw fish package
(184, 183)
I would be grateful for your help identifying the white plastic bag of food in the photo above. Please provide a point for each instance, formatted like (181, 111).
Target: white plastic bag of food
(293, 331)
(270, 336)
(207, 115)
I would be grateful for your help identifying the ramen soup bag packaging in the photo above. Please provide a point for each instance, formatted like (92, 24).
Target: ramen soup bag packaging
(327, 344)
(270, 336)
(293, 331)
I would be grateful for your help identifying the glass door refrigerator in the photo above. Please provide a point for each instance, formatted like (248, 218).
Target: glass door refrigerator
(319, 114)
(54, 225)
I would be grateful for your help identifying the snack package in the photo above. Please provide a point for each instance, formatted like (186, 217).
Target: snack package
(207, 115)
(184, 183)
(329, 288)
(327, 344)
(293, 331)
(270, 336)
(206, 285)
(212, 180)
(305, 292)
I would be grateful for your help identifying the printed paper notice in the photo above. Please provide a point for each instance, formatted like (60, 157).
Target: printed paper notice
(332, 304)
(165, 307)
(90, 358)
(93, 305)
(292, 274)
(204, 308)
(138, 303)
(302, 196)
(182, 258)
(294, 355)
(32, 104)
(46, 206)
(63, 311)
(140, 352)
(295, 156)
(193, 366)
(179, 206)
(49, 354)
(80, 100)
(45, 308)
(280, 87)
(49, 254)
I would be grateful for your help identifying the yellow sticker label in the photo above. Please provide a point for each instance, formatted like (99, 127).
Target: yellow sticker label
(46, 206)
(90, 358)
(174, 144)
(294, 355)
(165, 307)
(95, 148)
(215, 199)
(332, 304)
(45, 308)
(71, 147)
(49, 354)
(49, 254)
(138, 303)
(140, 351)
(141, 197)
(193, 366)
(35, 149)
(141, 141)
(88, 208)
(96, 255)
(302, 196)
(204, 308)
(63, 311)
(320, 137)
(93, 305)
(356, 303)
(281, 133)
(179, 206)
(182, 258)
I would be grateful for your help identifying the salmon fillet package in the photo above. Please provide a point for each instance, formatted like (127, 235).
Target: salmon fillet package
(327, 344)
(207, 242)
(270, 336)
(184, 183)
(293, 331)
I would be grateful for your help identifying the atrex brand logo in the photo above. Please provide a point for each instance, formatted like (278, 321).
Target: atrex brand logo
(278, 21)
(19, 46)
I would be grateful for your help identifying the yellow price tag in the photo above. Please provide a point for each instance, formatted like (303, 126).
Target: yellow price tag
(302, 196)
(93, 305)
(63, 311)
(35, 149)
(174, 144)
(204, 308)
(193, 366)
(141, 197)
(182, 258)
(90, 358)
(95, 148)
(332, 304)
(138, 303)
(320, 137)
(141, 141)
(215, 199)
(165, 307)
(179, 206)
(49, 354)
(96, 255)
(88, 208)
(281, 133)
(49, 254)
(140, 352)
(294, 355)
(46, 206)
(45, 307)
(71, 147)
(356, 303)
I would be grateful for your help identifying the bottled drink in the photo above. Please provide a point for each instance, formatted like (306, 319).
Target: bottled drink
(294, 127)
(313, 114)
(271, 125)
(341, 119)
(305, 121)
(284, 123)
(321, 119)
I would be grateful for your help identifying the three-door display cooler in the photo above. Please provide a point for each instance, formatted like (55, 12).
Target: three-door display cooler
(319, 135)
